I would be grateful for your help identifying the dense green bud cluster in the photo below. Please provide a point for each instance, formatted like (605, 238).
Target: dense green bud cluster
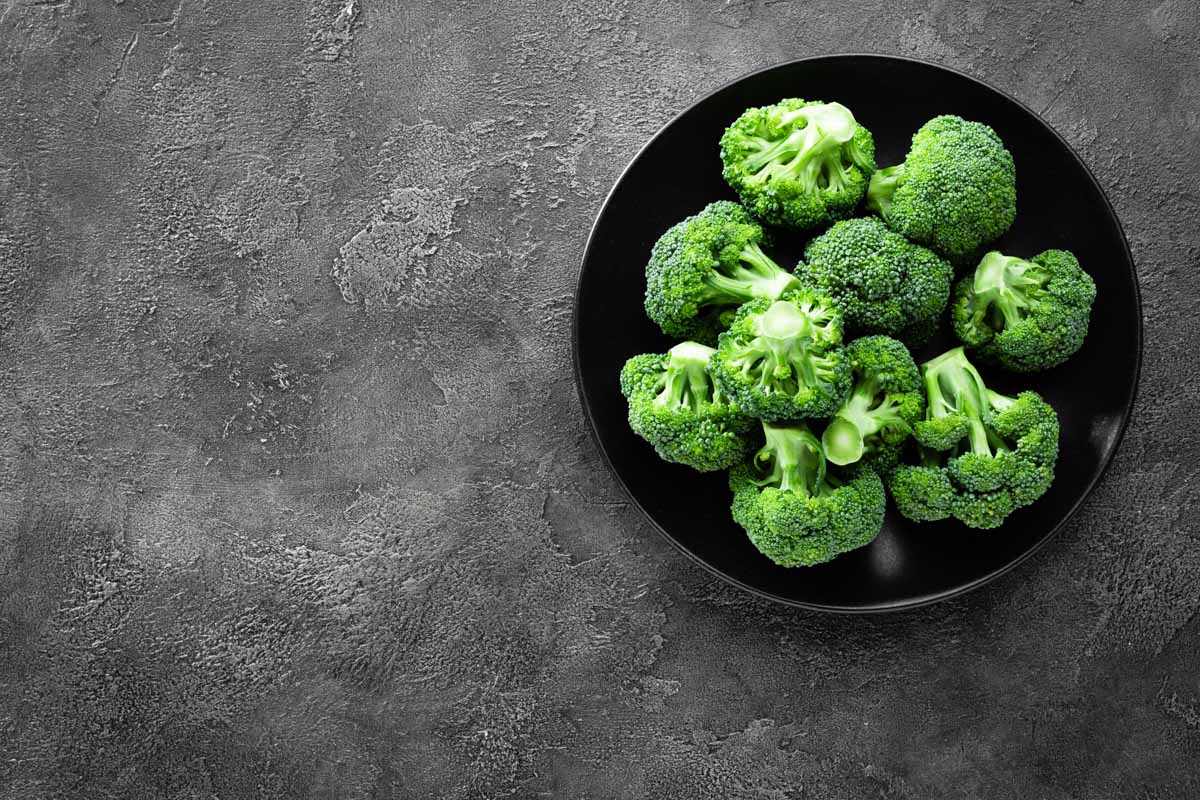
(1025, 315)
(954, 192)
(794, 509)
(800, 164)
(882, 282)
(675, 406)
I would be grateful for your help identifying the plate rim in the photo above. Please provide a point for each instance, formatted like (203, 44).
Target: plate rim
(891, 606)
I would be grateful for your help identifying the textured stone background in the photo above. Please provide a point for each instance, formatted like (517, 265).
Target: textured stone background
(296, 494)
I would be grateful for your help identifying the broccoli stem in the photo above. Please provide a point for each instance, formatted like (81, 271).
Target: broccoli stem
(843, 440)
(686, 383)
(954, 386)
(882, 189)
(780, 149)
(811, 154)
(1006, 285)
(1000, 402)
(866, 412)
(754, 275)
(767, 278)
(797, 463)
(784, 321)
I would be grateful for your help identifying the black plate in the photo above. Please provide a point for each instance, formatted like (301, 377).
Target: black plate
(1059, 205)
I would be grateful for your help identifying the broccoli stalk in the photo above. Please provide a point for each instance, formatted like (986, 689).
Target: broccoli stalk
(811, 154)
(881, 190)
(795, 460)
(868, 411)
(753, 274)
(955, 393)
(686, 383)
(1004, 286)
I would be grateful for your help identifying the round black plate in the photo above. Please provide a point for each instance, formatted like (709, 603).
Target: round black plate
(1059, 205)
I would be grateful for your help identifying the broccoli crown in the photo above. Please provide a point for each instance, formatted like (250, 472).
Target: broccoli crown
(983, 454)
(795, 511)
(783, 359)
(882, 282)
(798, 163)
(955, 191)
(886, 401)
(707, 265)
(1024, 315)
(675, 406)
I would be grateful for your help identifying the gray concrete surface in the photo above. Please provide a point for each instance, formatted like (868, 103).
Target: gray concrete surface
(296, 494)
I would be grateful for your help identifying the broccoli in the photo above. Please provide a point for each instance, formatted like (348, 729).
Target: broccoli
(794, 510)
(1024, 315)
(707, 265)
(982, 454)
(783, 359)
(955, 191)
(798, 163)
(674, 405)
(886, 401)
(882, 282)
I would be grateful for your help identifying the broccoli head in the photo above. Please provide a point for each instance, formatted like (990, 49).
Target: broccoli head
(886, 401)
(705, 267)
(674, 405)
(1024, 315)
(882, 282)
(982, 454)
(798, 163)
(795, 511)
(955, 191)
(783, 359)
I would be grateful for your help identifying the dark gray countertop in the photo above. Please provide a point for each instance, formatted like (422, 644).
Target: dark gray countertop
(297, 497)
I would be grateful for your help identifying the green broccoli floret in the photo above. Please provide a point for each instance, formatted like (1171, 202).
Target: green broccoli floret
(1025, 315)
(887, 400)
(798, 163)
(955, 191)
(795, 511)
(882, 282)
(675, 406)
(705, 267)
(783, 359)
(982, 455)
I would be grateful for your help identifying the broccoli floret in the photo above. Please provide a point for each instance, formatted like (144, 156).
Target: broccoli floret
(882, 282)
(1025, 315)
(705, 267)
(796, 511)
(675, 406)
(798, 163)
(783, 359)
(886, 401)
(982, 454)
(955, 191)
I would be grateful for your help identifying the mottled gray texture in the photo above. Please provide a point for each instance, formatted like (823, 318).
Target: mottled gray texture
(296, 495)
